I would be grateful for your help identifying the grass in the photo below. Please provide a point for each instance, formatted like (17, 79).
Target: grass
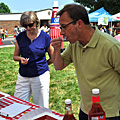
(63, 83)
(10, 35)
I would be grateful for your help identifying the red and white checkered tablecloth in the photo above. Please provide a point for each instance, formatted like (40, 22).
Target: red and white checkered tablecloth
(8, 100)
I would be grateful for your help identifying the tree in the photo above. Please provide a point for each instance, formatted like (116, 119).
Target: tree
(4, 8)
(111, 6)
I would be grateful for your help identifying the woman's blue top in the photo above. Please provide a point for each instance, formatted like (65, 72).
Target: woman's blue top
(35, 51)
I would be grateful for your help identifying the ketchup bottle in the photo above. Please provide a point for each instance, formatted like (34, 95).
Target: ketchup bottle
(96, 112)
(68, 111)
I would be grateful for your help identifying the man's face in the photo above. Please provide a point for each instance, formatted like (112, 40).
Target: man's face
(68, 28)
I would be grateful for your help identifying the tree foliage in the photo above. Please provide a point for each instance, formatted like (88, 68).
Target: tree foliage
(111, 6)
(4, 8)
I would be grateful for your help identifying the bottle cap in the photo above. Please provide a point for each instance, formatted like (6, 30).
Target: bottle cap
(95, 91)
(68, 101)
(55, 3)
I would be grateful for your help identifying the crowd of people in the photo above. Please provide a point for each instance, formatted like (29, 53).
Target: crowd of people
(107, 29)
(4, 32)
(18, 29)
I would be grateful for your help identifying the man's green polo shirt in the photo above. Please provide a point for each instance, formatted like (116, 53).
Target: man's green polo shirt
(97, 65)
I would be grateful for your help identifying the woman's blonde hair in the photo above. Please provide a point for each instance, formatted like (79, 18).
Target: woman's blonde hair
(28, 16)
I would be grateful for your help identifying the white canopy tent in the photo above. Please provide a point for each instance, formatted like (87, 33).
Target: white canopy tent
(116, 17)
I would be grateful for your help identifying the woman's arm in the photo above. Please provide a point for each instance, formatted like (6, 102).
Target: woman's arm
(17, 57)
(50, 53)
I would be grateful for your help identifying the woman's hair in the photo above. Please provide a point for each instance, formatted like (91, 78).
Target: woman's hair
(75, 12)
(28, 16)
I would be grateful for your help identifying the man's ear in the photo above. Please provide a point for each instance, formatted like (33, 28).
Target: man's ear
(79, 23)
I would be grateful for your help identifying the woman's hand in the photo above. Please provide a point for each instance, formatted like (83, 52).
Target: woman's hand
(24, 61)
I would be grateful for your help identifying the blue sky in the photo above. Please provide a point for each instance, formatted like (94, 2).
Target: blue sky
(19, 6)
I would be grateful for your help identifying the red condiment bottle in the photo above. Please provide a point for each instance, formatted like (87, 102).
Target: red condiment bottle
(68, 111)
(96, 112)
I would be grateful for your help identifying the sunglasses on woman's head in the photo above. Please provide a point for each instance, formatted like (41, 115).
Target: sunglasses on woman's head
(30, 25)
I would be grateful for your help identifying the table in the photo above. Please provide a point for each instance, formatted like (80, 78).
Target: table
(7, 100)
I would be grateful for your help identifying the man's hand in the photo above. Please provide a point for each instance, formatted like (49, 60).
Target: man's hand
(56, 43)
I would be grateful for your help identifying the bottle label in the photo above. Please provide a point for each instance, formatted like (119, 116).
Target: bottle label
(98, 118)
(68, 110)
(95, 99)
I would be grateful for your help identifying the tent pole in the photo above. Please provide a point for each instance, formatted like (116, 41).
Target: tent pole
(111, 28)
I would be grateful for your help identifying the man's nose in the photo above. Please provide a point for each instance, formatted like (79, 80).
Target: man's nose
(62, 32)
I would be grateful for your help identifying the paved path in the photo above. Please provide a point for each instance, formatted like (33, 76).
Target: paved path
(8, 42)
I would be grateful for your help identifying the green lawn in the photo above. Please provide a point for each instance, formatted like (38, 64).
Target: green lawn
(63, 83)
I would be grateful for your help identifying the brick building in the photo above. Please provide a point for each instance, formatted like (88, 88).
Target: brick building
(10, 20)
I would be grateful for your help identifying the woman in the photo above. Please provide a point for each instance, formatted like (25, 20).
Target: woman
(31, 46)
(6, 32)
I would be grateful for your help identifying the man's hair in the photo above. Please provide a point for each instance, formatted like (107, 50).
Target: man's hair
(75, 12)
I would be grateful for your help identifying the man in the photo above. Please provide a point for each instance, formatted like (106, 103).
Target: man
(45, 28)
(96, 57)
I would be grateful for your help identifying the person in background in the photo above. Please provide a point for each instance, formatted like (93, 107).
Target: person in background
(30, 50)
(100, 27)
(45, 28)
(6, 32)
(107, 29)
(21, 29)
(96, 57)
(2, 33)
(16, 31)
